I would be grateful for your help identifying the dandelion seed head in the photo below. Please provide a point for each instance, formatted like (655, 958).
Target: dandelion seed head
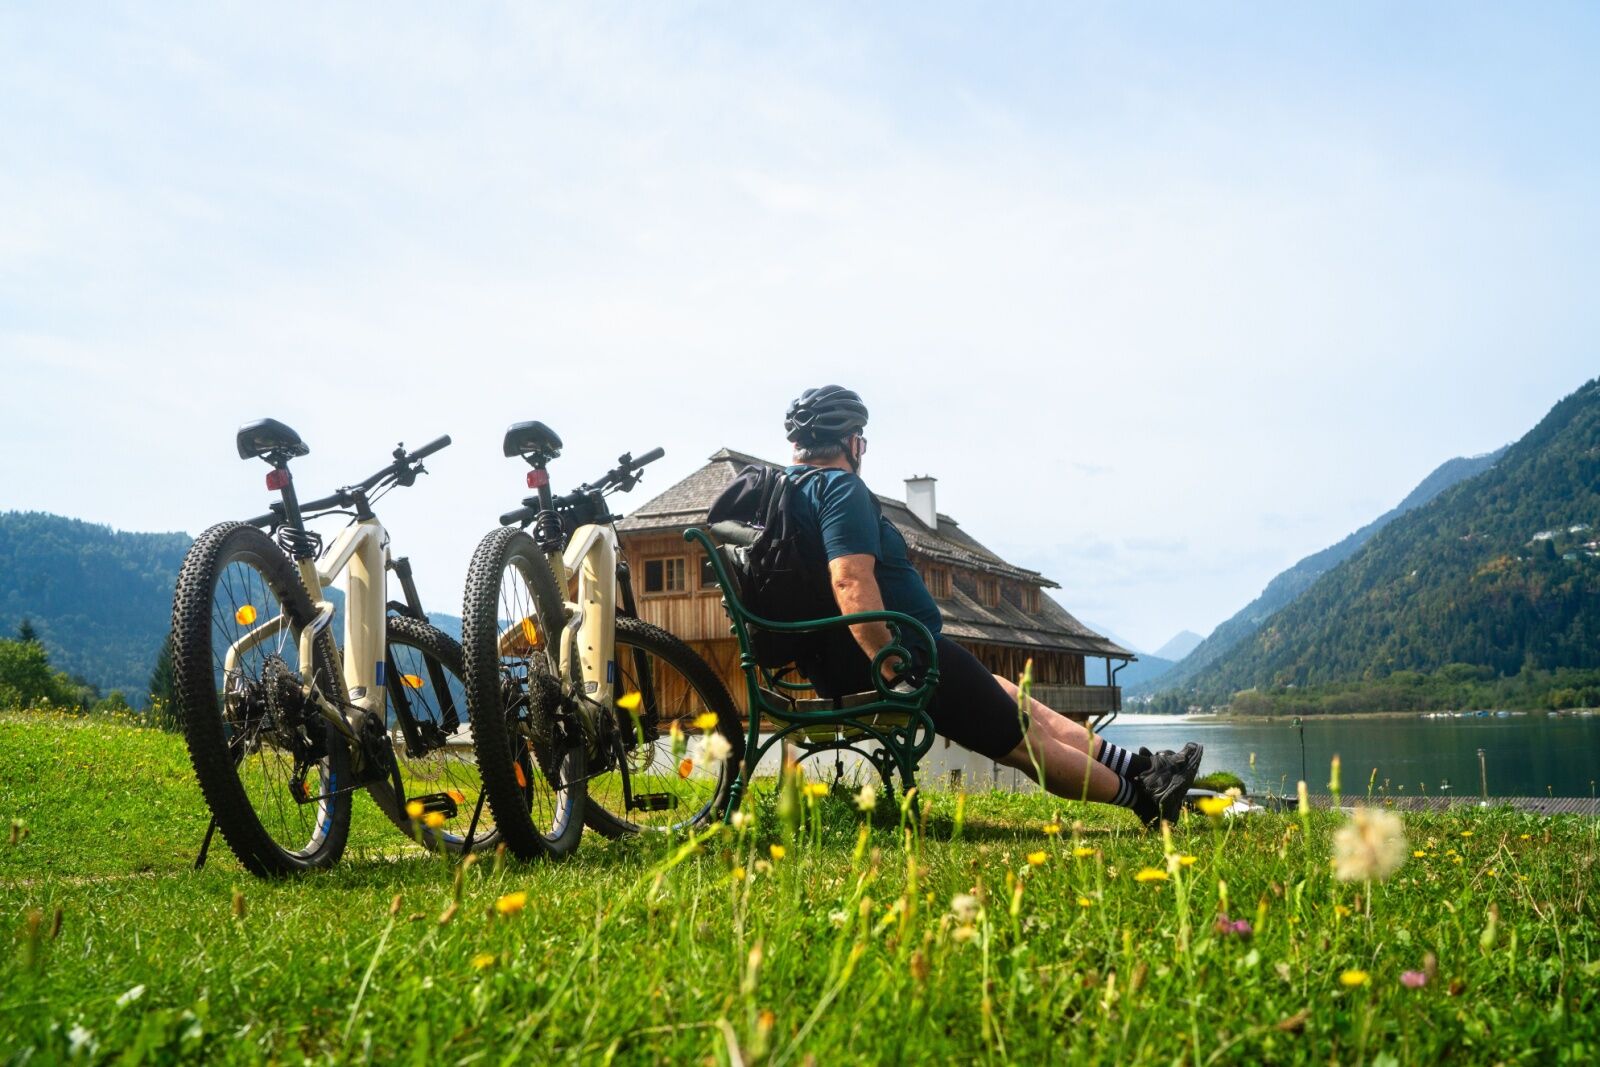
(1370, 846)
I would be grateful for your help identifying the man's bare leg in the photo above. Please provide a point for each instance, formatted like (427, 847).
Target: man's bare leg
(1055, 724)
(1063, 765)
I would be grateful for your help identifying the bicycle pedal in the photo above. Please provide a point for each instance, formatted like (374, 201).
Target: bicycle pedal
(443, 803)
(652, 802)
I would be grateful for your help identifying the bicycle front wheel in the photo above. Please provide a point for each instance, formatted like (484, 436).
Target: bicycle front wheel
(529, 746)
(652, 780)
(274, 772)
(432, 744)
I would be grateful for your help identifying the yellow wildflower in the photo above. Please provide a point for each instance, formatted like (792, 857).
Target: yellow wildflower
(1340, 910)
(776, 851)
(738, 874)
(1083, 851)
(434, 819)
(414, 809)
(1150, 874)
(482, 960)
(511, 903)
(1036, 859)
(630, 701)
(1085, 902)
(816, 790)
(1052, 828)
(706, 721)
(1353, 978)
(1466, 833)
(1187, 861)
(1214, 806)
(1525, 837)
(1419, 853)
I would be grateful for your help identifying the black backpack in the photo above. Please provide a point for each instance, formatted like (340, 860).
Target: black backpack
(781, 570)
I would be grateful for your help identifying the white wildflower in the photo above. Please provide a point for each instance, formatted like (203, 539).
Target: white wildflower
(1371, 846)
(867, 799)
(716, 748)
(964, 906)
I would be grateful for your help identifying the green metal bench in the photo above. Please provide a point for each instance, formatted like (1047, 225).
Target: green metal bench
(889, 729)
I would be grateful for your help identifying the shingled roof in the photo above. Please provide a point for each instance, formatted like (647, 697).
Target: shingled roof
(1052, 627)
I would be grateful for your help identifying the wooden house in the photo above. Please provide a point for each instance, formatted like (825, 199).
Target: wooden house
(997, 610)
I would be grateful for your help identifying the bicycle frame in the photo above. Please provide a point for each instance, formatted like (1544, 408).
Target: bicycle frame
(362, 549)
(589, 638)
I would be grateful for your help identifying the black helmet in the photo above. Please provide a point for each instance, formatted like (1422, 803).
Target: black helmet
(830, 413)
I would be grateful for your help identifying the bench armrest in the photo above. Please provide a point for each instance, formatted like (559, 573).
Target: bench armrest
(898, 623)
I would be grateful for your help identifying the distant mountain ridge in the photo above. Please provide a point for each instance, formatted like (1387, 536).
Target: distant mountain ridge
(1181, 644)
(1499, 571)
(1290, 584)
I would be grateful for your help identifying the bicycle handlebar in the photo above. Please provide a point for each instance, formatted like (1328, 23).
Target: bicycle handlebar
(624, 476)
(404, 470)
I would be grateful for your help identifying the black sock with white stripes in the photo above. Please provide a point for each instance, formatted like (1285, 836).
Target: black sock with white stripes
(1124, 761)
(1127, 793)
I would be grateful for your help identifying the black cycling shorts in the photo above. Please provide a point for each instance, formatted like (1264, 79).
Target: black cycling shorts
(969, 706)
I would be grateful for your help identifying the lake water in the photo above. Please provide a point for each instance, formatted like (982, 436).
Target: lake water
(1523, 756)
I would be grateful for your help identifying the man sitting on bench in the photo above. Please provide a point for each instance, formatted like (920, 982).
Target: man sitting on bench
(870, 571)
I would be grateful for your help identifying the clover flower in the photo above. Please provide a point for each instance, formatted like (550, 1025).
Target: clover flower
(1372, 845)
(1414, 979)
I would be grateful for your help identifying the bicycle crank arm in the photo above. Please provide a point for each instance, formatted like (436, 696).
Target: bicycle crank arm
(652, 802)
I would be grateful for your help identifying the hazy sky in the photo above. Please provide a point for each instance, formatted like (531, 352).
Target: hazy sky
(1166, 296)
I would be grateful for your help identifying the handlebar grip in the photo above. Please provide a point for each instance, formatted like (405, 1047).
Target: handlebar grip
(430, 448)
(649, 457)
(511, 518)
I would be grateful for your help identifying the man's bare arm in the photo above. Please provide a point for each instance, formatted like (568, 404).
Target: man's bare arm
(855, 587)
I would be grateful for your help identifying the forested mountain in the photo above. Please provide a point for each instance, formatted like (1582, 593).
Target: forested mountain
(99, 599)
(1283, 589)
(1500, 572)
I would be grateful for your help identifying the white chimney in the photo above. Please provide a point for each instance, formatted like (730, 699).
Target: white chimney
(920, 499)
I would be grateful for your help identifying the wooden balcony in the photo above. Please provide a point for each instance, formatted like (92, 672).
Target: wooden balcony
(1080, 701)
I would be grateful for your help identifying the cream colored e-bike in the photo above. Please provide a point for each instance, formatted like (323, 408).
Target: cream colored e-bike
(581, 711)
(283, 725)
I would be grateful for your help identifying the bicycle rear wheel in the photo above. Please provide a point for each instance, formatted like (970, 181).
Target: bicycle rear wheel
(669, 789)
(274, 772)
(529, 747)
(431, 742)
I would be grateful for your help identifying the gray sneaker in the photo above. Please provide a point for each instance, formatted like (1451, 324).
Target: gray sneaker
(1165, 785)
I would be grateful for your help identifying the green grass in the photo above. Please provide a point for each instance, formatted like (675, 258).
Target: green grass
(843, 949)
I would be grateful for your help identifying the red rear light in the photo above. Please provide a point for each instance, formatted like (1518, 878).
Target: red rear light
(277, 479)
(538, 479)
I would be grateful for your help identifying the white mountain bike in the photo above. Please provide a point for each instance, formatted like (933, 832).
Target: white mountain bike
(283, 726)
(581, 711)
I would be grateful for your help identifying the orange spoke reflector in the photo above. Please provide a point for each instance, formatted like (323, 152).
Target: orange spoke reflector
(457, 795)
(530, 631)
(411, 681)
(522, 778)
(685, 765)
(245, 615)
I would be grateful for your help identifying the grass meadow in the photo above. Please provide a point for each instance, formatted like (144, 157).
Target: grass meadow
(999, 928)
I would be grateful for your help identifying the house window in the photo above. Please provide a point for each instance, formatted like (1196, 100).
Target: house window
(989, 592)
(666, 575)
(937, 579)
(1030, 599)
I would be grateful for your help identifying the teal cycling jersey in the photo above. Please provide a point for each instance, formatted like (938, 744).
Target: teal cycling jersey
(850, 524)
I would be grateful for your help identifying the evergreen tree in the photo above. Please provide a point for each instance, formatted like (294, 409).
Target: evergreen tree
(26, 633)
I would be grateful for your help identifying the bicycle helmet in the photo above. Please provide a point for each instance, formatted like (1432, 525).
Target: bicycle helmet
(823, 415)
